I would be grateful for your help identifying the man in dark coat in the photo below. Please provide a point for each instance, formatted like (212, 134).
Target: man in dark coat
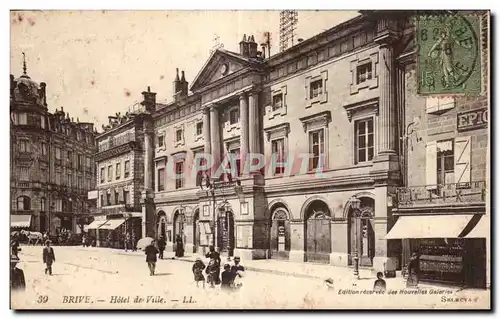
(151, 252)
(17, 281)
(14, 245)
(413, 270)
(48, 257)
(161, 246)
(212, 254)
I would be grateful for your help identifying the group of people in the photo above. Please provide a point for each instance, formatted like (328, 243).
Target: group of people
(230, 277)
(130, 242)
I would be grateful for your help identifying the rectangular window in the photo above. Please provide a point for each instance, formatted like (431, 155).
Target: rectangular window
(118, 171)
(108, 199)
(126, 195)
(161, 141)
(363, 73)
(445, 162)
(235, 153)
(278, 149)
(69, 180)
(102, 200)
(23, 146)
(44, 149)
(316, 88)
(126, 172)
(80, 161)
(102, 175)
(234, 116)
(179, 171)
(58, 178)
(317, 149)
(110, 173)
(277, 101)
(117, 199)
(199, 128)
(161, 179)
(58, 153)
(24, 174)
(42, 122)
(178, 135)
(364, 140)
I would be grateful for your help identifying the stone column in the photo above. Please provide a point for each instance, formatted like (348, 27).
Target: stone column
(384, 257)
(253, 122)
(215, 138)
(244, 131)
(206, 130)
(387, 107)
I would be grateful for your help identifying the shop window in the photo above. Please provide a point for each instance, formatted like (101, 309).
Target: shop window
(23, 203)
(364, 140)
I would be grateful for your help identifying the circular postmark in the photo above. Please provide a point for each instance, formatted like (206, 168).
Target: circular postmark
(449, 49)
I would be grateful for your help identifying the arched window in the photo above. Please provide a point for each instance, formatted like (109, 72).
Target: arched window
(23, 203)
(43, 204)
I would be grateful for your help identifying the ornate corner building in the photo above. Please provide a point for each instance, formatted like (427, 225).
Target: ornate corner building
(52, 162)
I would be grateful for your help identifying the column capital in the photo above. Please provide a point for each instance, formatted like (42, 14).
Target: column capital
(243, 95)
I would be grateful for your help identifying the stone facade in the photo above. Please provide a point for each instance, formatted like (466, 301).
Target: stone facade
(52, 161)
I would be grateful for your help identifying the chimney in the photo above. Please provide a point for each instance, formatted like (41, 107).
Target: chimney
(244, 46)
(252, 47)
(184, 84)
(42, 93)
(177, 83)
(149, 100)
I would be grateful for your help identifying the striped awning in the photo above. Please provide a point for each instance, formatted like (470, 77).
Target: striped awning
(20, 221)
(435, 226)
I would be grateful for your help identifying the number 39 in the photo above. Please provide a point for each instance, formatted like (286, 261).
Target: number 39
(42, 299)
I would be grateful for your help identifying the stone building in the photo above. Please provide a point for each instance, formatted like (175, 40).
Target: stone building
(122, 168)
(441, 206)
(331, 96)
(330, 116)
(52, 158)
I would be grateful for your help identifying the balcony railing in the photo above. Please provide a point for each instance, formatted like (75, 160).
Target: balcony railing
(116, 141)
(451, 194)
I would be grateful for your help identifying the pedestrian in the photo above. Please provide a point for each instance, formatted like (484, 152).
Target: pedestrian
(151, 259)
(128, 242)
(84, 240)
(134, 241)
(379, 284)
(413, 270)
(179, 249)
(227, 278)
(17, 281)
(212, 254)
(161, 246)
(212, 273)
(48, 257)
(14, 245)
(238, 272)
(198, 268)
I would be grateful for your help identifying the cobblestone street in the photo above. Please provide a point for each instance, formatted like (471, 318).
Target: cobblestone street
(106, 275)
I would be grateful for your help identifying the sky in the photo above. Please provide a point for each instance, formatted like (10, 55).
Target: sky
(97, 63)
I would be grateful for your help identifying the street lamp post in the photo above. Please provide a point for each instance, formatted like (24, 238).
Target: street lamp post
(355, 205)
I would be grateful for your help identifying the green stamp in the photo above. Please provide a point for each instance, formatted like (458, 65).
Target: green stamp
(449, 54)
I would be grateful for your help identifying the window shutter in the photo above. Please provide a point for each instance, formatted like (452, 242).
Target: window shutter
(431, 165)
(462, 160)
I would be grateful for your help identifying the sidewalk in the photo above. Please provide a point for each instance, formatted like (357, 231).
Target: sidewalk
(341, 276)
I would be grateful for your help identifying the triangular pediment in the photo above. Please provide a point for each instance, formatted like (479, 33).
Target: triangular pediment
(220, 65)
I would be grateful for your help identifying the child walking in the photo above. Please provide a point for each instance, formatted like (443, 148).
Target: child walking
(198, 267)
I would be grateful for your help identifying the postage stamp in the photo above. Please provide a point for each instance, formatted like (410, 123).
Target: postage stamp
(449, 57)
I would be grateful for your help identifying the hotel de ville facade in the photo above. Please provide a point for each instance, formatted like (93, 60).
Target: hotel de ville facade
(338, 96)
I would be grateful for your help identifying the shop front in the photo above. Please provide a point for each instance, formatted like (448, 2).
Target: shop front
(451, 248)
